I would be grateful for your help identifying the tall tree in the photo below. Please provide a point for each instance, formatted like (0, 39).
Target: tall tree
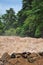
(31, 14)
(22, 15)
(27, 4)
(1, 28)
(9, 18)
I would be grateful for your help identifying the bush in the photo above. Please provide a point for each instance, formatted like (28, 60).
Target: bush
(10, 32)
(37, 33)
(18, 30)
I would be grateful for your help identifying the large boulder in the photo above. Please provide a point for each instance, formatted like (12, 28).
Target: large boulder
(19, 61)
(24, 58)
(28, 53)
(12, 61)
(1, 63)
(18, 55)
(39, 61)
(24, 55)
(32, 57)
(13, 55)
(41, 53)
(5, 57)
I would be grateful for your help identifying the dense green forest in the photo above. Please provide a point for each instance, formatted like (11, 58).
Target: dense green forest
(27, 22)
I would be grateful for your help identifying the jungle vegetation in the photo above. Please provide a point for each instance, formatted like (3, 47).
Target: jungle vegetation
(28, 22)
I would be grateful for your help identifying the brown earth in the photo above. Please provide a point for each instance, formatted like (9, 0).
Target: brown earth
(16, 44)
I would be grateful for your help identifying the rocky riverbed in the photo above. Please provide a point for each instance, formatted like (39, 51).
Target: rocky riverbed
(25, 58)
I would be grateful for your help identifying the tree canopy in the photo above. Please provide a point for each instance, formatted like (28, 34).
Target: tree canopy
(27, 22)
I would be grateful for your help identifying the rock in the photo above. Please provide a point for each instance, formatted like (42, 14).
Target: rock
(8, 63)
(18, 55)
(12, 61)
(41, 53)
(28, 53)
(39, 61)
(5, 57)
(18, 61)
(1, 63)
(32, 57)
(25, 58)
(24, 55)
(0, 59)
(13, 55)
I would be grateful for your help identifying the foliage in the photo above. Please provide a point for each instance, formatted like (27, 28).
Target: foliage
(27, 22)
(1, 28)
(9, 18)
(10, 32)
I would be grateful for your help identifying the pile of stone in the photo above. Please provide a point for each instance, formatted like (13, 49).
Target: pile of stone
(25, 58)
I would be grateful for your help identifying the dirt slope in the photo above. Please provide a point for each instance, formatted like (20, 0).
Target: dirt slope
(12, 44)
